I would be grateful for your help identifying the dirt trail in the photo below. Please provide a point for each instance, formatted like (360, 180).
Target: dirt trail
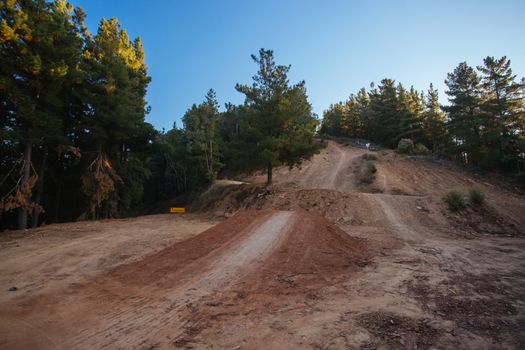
(167, 290)
(210, 274)
(244, 255)
(324, 263)
(330, 169)
(59, 255)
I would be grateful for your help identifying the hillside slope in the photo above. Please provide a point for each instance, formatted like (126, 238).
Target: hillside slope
(335, 256)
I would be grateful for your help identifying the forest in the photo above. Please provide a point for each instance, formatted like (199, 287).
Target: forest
(483, 126)
(75, 143)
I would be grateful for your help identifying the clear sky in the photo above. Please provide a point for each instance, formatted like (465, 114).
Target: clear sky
(337, 47)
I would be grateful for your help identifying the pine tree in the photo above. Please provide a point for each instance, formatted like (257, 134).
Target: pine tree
(333, 119)
(362, 108)
(465, 118)
(503, 110)
(113, 129)
(384, 122)
(353, 121)
(433, 120)
(275, 129)
(39, 49)
(202, 127)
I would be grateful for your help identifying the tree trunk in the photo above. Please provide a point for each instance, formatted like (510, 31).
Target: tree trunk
(270, 174)
(38, 199)
(22, 212)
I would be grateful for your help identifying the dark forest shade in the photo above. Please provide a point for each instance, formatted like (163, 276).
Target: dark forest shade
(75, 141)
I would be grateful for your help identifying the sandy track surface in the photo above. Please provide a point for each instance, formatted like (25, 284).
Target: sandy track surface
(328, 263)
(151, 301)
(330, 169)
(55, 256)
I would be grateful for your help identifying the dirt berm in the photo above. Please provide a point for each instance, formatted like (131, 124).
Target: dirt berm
(252, 263)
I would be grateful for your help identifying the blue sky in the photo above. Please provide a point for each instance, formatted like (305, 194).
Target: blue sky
(337, 47)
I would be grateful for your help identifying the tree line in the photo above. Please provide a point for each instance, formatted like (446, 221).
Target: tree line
(275, 125)
(75, 143)
(483, 125)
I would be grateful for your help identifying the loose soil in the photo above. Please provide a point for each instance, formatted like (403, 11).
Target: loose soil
(317, 261)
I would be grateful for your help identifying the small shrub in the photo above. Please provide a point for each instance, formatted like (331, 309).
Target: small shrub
(242, 195)
(477, 197)
(455, 201)
(371, 167)
(368, 178)
(405, 146)
(367, 173)
(369, 156)
(421, 149)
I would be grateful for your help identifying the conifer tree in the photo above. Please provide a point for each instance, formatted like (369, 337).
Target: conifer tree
(39, 49)
(433, 120)
(465, 118)
(384, 113)
(275, 129)
(202, 127)
(113, 129)
(502, 107)
(333, 119)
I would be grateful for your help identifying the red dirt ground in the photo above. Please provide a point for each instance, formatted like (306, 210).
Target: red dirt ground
(320, 260)
(254, 258)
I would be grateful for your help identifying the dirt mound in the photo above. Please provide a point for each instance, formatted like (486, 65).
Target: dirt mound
(307, 248)
(483, 220)
(243, 265)
(345, 184)
(277, 273)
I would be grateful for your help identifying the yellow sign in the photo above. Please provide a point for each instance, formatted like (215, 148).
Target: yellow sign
(177, 210)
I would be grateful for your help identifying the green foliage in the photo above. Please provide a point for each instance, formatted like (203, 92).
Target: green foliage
(420, 148)
(371, 167)
(367, 170)
(201, 124)
(482, 126)
(242, 195)
(73, 106)
(40, 45)
(486, 115)
(433, 121)
(276, 124)
(454, 201)
(477, 197)
(405, 146)
(369, 156)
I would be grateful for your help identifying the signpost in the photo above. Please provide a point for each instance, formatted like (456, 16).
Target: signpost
(175, 210)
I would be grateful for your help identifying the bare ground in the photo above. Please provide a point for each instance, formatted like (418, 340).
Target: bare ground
(325, 262)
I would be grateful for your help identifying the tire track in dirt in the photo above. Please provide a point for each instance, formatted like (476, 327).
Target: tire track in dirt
(249, 252)
(278, 280)
(331, 169)
(124, 327)
(393, 219)
(255, 263)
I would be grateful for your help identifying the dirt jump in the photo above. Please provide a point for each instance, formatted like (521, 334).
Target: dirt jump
(329, 257)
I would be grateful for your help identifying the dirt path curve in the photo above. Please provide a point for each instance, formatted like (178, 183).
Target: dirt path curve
(390, 208)
(323, 172)
(330, 169)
